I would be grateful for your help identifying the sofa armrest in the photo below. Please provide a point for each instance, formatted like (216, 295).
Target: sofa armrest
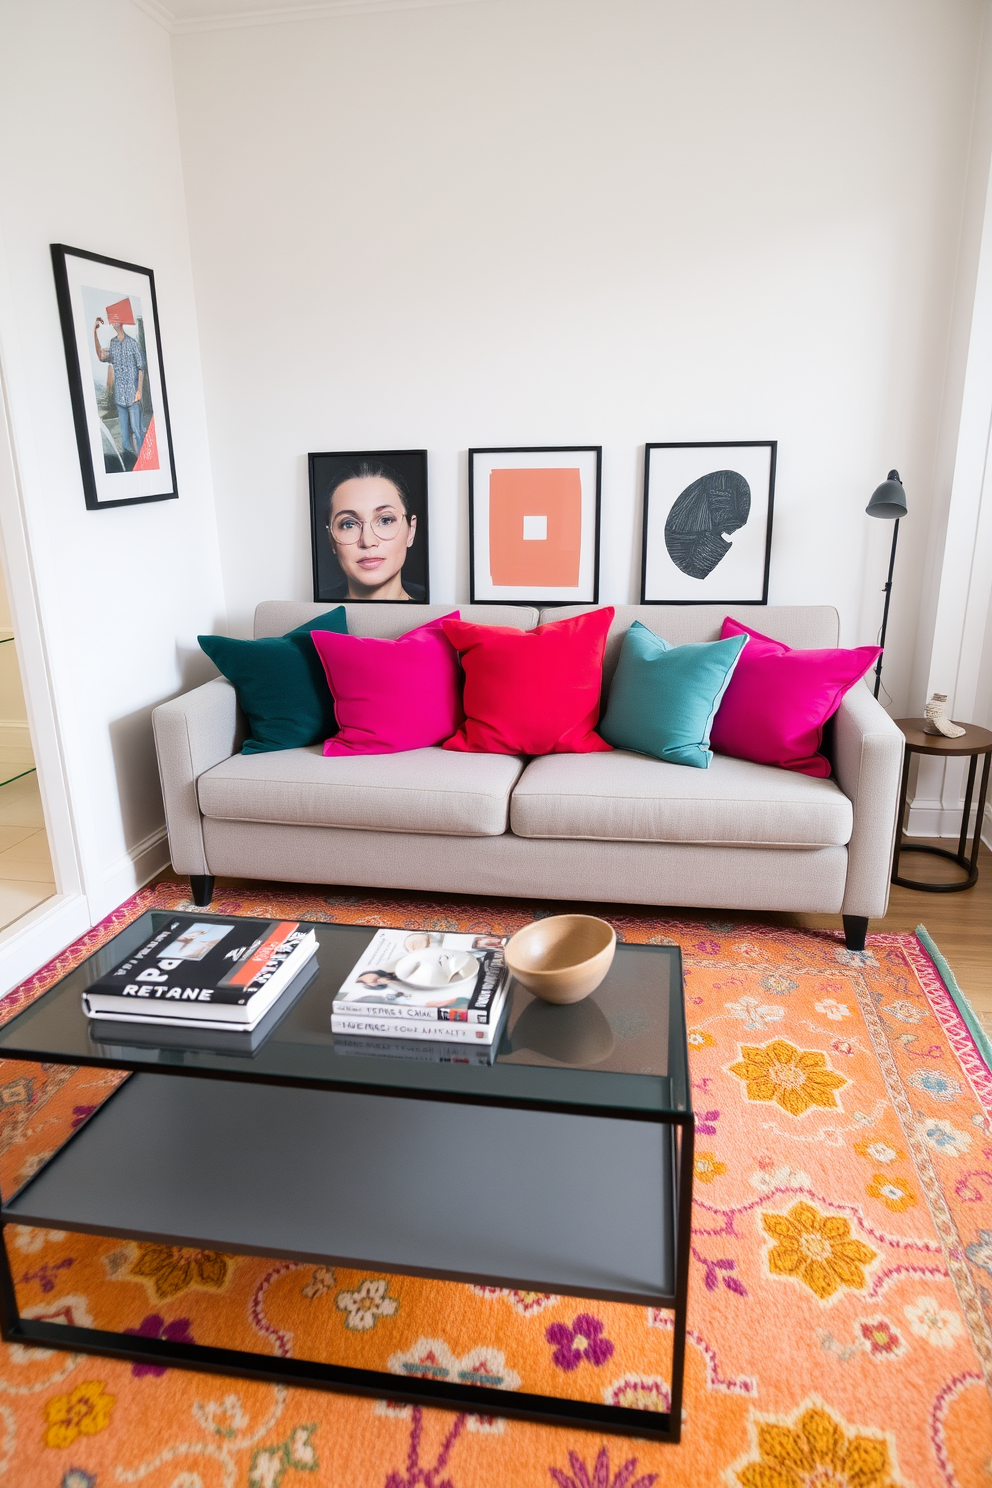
(192, 734)
(867, 759)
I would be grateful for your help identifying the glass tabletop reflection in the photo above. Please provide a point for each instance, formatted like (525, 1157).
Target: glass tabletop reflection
(622, 1049)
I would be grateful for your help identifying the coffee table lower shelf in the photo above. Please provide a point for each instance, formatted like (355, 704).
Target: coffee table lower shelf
(491, 1195)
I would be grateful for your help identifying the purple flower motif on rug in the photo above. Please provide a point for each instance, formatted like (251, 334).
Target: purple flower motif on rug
(45, 1275)
(78, 1477)
(599, 1477)
(580, 1340)
(80, 1114)
(715, 1272)
(154, 1326)
(704, 1123)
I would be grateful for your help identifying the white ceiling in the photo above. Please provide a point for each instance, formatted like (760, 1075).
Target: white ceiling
(213, 15)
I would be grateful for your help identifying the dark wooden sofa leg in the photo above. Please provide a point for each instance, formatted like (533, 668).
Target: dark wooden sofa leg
(855, 930)
(202, 888)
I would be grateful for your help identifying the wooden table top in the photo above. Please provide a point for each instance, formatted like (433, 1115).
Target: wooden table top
(974, 740)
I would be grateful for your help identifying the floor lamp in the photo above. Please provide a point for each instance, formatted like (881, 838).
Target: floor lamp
(889, 502)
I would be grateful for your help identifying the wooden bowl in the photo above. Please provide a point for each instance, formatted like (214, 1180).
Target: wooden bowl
(563, 958)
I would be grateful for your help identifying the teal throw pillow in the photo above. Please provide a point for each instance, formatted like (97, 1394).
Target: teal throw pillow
(664, 698)
(280, 684)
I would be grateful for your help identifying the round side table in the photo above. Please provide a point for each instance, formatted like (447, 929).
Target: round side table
(972, 743)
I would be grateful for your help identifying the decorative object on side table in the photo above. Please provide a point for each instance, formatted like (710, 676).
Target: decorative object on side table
(973, 741)
(707, 530)
(534, 525)
(368, 526)
(888, 501)
(562, 958)
(113, 355)
(937, 719)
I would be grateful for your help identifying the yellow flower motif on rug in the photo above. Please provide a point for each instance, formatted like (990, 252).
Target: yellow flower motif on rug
(817, 1452)
(171, 1269)
(895, 1194)
(698, 1038)
(795, 1079)
(817, 1249)
(705, 1167)
(83, 1412)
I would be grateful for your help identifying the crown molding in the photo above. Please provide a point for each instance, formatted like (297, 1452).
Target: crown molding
(275, 15)
(157, 12)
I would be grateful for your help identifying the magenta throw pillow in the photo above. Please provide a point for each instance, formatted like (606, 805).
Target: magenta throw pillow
(392, 695)
(778, 700)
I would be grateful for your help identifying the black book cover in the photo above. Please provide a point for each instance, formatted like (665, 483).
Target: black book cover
(203, 961)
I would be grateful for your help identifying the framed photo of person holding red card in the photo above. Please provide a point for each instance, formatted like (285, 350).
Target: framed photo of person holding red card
(113, 356)
(534, 525)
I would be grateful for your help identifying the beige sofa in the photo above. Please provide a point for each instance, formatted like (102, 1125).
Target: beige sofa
(618, 827)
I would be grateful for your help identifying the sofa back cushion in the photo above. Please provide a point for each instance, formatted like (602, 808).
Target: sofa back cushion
(387, 621)
(801, 626)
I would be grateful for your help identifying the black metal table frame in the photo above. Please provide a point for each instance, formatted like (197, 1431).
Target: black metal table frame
(475, 1399)
(970, 865)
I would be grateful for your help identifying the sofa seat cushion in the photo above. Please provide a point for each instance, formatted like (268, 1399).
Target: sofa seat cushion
(625, 797)
(420, 790)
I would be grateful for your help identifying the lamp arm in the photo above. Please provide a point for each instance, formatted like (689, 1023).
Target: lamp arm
(885, 612)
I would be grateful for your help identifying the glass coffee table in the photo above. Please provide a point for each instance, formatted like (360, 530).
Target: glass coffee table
(466, 1172)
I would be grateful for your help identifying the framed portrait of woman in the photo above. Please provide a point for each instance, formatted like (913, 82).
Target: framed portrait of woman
(368, 526)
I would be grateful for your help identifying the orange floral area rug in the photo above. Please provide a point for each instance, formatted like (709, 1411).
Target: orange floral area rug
(840, 1299)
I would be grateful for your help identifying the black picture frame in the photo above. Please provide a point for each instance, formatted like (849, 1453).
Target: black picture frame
(482, 462)
(682, 552)
(113, 472)
(408, 470)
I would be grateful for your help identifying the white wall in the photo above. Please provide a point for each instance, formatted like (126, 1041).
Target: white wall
(91, 158)
(541, 221)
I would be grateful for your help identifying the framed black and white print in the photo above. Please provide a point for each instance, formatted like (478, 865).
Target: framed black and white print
(534, 525)
(113, 356)
(707, 530)
(368, 526)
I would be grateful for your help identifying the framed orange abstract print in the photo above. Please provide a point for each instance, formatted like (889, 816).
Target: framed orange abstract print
(534, 525)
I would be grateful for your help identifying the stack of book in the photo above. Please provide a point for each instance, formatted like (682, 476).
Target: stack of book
(204, 974)
(446, 990)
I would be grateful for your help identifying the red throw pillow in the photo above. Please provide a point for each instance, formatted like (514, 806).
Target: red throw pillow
(778, 700)
(531, 691)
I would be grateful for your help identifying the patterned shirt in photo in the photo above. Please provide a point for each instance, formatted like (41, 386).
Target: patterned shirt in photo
(127, 361)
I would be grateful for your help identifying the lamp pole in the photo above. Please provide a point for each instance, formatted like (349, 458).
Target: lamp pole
(889, 502)
(885, 613)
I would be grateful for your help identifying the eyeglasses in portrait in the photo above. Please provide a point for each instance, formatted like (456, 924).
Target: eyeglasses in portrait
(368, 526)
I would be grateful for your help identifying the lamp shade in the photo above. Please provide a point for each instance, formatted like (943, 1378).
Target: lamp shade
(889, 499)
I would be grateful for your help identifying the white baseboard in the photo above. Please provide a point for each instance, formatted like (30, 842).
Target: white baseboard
(133, 870)
(39, 935)
(14, 734)
(931, 818)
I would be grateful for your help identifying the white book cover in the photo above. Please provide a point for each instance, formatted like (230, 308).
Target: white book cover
(426, 976)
